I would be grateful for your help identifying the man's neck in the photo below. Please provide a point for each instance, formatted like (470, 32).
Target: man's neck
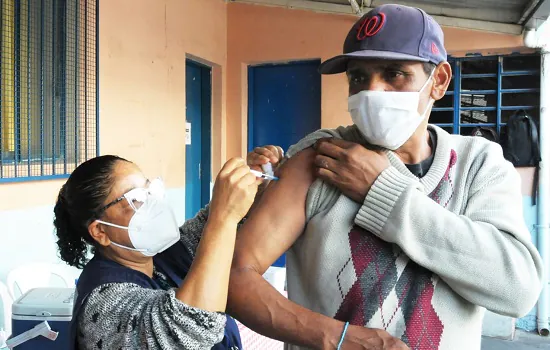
(417, 148)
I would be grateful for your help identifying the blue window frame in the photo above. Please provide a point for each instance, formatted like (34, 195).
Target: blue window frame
(486, 91)
(48, 87)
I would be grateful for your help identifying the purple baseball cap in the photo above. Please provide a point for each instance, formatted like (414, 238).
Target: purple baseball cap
(391, 32)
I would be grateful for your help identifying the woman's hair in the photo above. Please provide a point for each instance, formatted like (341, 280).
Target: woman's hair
(79, 202)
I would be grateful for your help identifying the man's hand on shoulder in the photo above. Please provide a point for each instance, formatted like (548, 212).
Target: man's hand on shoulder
(349, 166)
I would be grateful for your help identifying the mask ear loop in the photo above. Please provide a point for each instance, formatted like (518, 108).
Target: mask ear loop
(432, 101)
(430, 104)
(120, 245)
(428, 80)
(128, 248)
(112, 225)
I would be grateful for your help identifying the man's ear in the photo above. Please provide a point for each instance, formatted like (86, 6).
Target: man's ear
(97, 231)
(442, 76)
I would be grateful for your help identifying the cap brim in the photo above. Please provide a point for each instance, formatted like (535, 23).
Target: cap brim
(339, 64)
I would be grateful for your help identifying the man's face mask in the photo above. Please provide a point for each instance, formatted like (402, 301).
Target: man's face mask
(153, 227)
(387, 118)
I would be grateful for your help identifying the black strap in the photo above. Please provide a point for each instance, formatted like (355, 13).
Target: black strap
(535, 158)
(535, 189)
(534, 141)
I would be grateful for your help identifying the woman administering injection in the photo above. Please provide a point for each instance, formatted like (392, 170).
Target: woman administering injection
(150, 283)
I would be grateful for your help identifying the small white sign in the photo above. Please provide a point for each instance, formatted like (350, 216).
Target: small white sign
(187, 133)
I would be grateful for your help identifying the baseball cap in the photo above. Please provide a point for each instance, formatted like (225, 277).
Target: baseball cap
(392, 32)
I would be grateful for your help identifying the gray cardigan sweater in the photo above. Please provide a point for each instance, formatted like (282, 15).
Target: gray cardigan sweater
(421, 258)
(152, 319)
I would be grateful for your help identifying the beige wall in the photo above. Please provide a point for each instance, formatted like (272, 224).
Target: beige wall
(279, 34)
(142, 49)
(142, 82)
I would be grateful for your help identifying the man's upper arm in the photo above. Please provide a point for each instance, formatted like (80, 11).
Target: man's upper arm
(279, 217)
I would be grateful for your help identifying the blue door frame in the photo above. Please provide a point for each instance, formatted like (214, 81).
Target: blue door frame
(198, 88)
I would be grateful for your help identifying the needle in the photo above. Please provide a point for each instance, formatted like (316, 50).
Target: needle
(263, 176)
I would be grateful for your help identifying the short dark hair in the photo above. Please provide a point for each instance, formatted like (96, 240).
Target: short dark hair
(428, 67)
(79, 202)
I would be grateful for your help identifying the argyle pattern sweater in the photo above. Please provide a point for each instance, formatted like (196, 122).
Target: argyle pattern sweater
(420, 258)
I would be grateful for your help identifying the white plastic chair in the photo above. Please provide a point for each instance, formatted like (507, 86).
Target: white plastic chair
(25, 277)
(6, 302)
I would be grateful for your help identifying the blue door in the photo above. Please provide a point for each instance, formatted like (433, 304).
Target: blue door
(198, 91)
(284, 105)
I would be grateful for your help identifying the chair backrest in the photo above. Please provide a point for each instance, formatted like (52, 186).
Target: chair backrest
(5, 307)
(34, 275)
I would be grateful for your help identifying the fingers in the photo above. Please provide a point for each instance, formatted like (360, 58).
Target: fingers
(242, 177)
(341, 143)
(278, 154)
(239, 172)
(327, 163)
(269, 152)
(255, 159)
(264, 155)
(235, 170)
(326, 175)
(281, 153)
(250, 179)
(230, 165)
(327, 148)
(275, 155)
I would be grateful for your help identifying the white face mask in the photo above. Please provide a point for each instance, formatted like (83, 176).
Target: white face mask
(153, 227)
(387, 118)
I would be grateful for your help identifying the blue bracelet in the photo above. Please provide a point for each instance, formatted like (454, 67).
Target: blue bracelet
(343, 336)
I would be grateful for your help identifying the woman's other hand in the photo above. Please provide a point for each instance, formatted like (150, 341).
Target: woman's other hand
(263, 155)
(234, 191)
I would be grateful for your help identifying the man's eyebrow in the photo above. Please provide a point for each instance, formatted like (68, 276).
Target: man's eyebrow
(395, 65)
(378, 67)
(355, 71)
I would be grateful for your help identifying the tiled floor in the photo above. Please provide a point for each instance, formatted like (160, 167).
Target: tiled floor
(522, 341)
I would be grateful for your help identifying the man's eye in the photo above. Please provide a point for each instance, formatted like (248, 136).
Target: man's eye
(357, 80)
(393, 74)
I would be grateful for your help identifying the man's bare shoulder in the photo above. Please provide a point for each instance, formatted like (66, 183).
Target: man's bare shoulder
(301, 161)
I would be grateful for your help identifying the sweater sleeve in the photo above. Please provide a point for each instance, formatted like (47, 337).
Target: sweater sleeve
(126, 316)
(191, 230)
(485, 255)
